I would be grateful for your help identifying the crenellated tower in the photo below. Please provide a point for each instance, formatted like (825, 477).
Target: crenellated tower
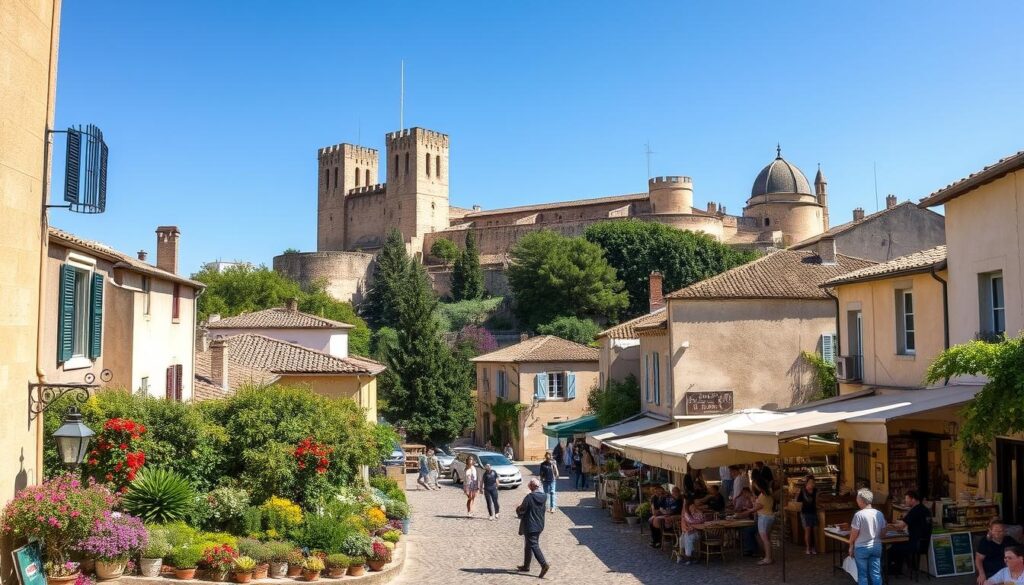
(673, 194)
(417, 183)
(341, 168)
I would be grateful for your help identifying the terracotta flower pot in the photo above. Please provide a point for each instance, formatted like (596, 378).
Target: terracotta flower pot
(185, 573)
(376, 565)
(356, 571)
(310, 575)
(240, 577)
(335, 572)
(109, 569)
(278, 570)
(150, 567)
(261, 571)
(294, 570)
(65, 580)
(216, 575)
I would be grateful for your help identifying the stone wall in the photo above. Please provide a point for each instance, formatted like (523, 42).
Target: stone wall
(366, 218)
(495, 280)
(348, 274)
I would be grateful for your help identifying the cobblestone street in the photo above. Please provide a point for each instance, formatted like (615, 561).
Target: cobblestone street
(580, 542)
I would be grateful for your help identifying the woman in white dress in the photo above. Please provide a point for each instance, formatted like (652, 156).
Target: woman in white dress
(471, 484)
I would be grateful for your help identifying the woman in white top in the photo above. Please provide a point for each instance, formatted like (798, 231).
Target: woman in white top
(866, 532)
(1013, 572)
(471, 484)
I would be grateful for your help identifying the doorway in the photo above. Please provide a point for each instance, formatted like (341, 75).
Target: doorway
(932, 479)
(1010, 479)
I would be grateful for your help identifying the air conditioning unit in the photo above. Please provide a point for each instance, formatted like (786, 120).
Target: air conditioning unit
(845, 369)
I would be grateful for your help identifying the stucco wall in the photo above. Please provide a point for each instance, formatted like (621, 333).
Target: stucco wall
(752, 347)
(902, 231)
(360, 389)
(347, 274)
(982, 235)
(649, 346)
(876, 300)
(798, 220)
(619, 358)
(326, 340)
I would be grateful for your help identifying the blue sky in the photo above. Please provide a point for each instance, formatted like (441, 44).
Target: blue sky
(213, 111)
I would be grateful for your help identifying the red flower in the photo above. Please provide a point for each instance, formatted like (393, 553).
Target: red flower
(110, 476)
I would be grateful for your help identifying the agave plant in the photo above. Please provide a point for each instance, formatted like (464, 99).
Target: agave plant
(159, 496)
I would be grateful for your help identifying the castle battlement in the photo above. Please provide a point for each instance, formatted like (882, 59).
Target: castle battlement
(669, 179)
(346, 148)
(417, 134)
(378, 188)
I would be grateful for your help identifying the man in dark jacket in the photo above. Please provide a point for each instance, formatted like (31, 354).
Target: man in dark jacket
(531, 524)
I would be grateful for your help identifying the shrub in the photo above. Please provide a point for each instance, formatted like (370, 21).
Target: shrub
(115, 537)
(118, 455)
(281, 515)
(325, 533)
(313, 563)
(383, 483)
(244, 564)
(227, 508)
(375, 518)
(159, 546)
(398, 510)
(219, 558)
(444, 250)
(379, 552)
(69, 508)
(248, 547)
(455, 316)
(185, 557)
(357, 544)
(252, 522)
(159, 495)
(392, 536)
(278, 550)
(180, 535)
(572, 328)
(338, 561)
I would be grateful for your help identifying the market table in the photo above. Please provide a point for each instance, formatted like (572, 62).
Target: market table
(836, 535)
(734, 524)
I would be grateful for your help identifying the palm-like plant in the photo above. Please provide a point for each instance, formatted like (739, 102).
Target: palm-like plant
(159, 496)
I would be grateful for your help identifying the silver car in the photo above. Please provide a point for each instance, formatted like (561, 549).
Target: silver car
(509, 475)
(445, 461)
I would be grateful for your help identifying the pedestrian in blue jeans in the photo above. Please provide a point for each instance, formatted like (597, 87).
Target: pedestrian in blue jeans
(866, 532)
(549, 479)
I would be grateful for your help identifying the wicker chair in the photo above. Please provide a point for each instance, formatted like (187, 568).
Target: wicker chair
(670, 536)
(712, 543)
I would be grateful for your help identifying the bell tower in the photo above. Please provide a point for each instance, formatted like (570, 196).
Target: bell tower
(417, 183)
(821, 192)
(340, 169)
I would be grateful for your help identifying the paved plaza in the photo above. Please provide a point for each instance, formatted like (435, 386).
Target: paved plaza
(580, 542)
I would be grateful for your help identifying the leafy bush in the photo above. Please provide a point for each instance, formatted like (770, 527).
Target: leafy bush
(324, 533)
(185, 557)
(572, 328)
(455, 316)
(159, 495)
(392, 535)
(227, 508)
(616, 401)
(444, 250)
(357, 544)
(159, 546)
(383, 483)
(398, 510)
(313, 563)
(280, 516)
(250, 547)
(179, 534)
(278, 550)
(338, 561)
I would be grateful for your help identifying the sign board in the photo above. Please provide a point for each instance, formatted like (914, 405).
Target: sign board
(28, 564)
(709, 402)
(951, 554)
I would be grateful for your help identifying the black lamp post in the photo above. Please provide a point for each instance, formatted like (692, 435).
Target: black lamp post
(73, 438)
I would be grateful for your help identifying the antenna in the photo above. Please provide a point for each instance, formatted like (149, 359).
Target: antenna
(874, 166)
(401, 99)
(648, 152)
(359, 131)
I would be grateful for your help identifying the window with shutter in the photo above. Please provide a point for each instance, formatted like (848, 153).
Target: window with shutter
(169, 383)
(96, 317)
(540, 387)
(66, 314)
(570, 385)
(828, 348)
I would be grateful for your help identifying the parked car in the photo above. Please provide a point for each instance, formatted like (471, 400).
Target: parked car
(397, 456)
(444, 459)
(509, 475)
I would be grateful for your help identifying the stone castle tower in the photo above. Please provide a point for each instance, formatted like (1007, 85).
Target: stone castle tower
(341, 168)
(781, 201)
(672, 194)
(417, 184)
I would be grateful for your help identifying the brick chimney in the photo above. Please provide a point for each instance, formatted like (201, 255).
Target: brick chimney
(656, 297)
(890, 201)
(712, 207)
(219, 363)
(167, 248)
(827, 250)
(142, 255)
(202, 340)
(292, 304)
(858, 214)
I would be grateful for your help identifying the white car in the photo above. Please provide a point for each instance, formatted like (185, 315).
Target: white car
(445, 461)
(509, 475)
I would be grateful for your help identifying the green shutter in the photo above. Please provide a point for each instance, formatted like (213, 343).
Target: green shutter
(96, 316)
(66, 314)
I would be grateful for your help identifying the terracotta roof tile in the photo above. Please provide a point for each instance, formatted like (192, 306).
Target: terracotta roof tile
(916, 262)
(972, 181)
(785, 274)
(627, 329)
(204, 388)
(542, 348)
(277, 318)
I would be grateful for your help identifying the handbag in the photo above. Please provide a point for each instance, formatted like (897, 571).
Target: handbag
(850, 566)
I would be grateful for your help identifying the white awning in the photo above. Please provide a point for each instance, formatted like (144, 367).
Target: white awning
(861, 418)
(631, 426)
(703, 444)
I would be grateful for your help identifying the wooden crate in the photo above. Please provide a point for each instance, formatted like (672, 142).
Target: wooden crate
(412, 457)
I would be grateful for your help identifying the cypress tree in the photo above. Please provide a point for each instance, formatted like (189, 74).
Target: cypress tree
(390, 276)
(467, 277)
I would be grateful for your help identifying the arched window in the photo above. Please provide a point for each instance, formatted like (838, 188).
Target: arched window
(396, 165)
(357, 176)
(335, 177)
(437, 166)
(367, 176)
(428, 164)
(327, 178)
(407, 163)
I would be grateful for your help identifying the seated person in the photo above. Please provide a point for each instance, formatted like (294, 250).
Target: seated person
(990, 552)
(918, 524)
(714, 501)
(665, 516)
(689, 529)
(743, 505)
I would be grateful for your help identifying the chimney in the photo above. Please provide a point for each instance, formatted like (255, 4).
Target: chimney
(890, 201)
(202, 340)
(292, 304)
(712, 207)
(523, 336)
(142, 255)
(167, 248)
(213, 318)
(858, 214)
(476, 208)
(827, 250)
(656, 296)
(219, 363)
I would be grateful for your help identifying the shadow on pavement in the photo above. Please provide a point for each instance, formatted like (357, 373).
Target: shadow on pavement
(492, 571)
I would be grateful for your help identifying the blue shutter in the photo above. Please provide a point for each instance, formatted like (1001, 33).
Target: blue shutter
(66, 314)
(570, 385)
(540, 387)
(96, 316)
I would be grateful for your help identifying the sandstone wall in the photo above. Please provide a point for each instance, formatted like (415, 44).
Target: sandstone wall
(347, 274)
(366, 218)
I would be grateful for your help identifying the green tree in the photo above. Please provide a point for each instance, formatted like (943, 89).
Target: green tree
(824, 375)
(427, 386)
(506, 421)
(636, 248)
(616, 401)
(553, 276)
(572, 328)
(390, 276)
(444, 250)
(997, 409)
(467, 277)
(243, 289)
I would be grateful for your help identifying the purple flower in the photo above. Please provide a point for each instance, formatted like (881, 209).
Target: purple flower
(114, 537)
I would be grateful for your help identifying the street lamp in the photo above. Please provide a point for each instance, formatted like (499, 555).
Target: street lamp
(73, 438)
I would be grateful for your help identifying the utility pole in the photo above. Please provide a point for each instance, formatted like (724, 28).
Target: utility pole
(648, 152)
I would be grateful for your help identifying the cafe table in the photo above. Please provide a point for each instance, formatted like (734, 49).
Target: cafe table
(728, 524)
(837, 535)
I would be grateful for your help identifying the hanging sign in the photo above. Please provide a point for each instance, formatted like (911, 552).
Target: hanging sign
(708, 402)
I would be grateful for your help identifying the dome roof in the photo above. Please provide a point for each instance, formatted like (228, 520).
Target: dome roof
(780, 177)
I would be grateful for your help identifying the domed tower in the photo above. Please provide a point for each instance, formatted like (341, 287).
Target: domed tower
(781, 200)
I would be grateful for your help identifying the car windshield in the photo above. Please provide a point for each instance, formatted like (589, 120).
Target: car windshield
(494, 460)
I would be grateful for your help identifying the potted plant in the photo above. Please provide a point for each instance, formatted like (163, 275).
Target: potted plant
(337, 565)
(312, 567)
(61, 573)
(619, 505)
(379, 556)
(644, 511)
(259, 552)
(243, 569)
(114, 539)
(218, 560)
(356, 566)
(295, 561)
(151, 559)
(391, 536)
(399, 510)
(185, 560)
(278, 551)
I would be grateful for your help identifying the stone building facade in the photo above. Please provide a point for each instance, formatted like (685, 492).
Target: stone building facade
(355, 212)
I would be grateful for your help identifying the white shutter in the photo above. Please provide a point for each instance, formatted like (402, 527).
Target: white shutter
(828, 347)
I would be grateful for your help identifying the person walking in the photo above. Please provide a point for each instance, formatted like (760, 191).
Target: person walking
(508, 452)
(531, 524)
(556, 453)
(489, 487)
(866, 532)
(764, 508)
(471, 485)
(549, 478)
(424, 472)
(579, 479)
(433, 468)
(808, 498)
